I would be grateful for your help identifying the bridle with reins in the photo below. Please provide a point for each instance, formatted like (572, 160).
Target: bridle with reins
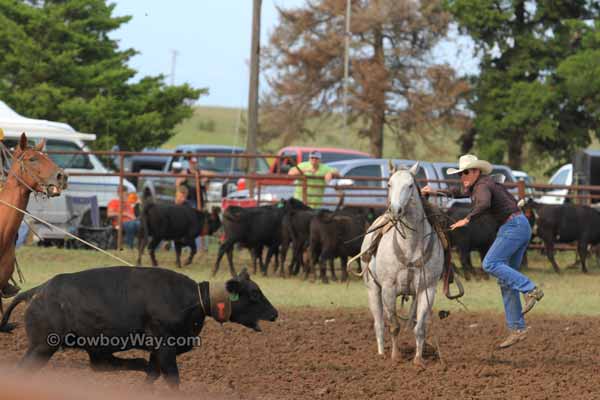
(7, 154)
(399, 224)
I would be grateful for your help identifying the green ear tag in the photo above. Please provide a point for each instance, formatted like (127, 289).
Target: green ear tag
(280, 205)
(234, 296)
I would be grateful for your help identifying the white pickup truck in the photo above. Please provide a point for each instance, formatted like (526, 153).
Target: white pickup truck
(61, 137)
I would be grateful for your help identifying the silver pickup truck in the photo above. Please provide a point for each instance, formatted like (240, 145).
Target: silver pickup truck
(162, 189)
(377, 169)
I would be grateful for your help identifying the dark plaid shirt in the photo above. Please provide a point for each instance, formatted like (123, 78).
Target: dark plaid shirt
(489, 197)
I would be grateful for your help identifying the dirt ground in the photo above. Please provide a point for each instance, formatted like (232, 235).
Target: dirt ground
(332, 354)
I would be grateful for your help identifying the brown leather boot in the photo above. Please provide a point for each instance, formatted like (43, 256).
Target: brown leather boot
(514, 337)
(531, 298)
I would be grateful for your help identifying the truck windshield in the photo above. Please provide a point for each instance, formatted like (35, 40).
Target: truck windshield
(80, 161)
(331, 156)
(227, 164)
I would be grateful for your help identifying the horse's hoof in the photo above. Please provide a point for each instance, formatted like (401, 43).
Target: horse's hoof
(419, 363)
(467, 275)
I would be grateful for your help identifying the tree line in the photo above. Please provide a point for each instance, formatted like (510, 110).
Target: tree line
(536, 90)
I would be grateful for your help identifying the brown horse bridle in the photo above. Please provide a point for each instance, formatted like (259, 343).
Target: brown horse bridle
(39, 182)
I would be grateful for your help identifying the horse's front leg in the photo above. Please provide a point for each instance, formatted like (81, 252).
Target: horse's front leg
(376, 307)
(424, 307)
(388, 297)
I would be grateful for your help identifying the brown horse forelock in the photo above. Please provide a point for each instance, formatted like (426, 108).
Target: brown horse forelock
(37, 171)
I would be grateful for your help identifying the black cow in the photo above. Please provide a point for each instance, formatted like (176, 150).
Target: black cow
(333, 234)
(368, 213)
(150, 309)
(182, 224)
(565, 224)
(295, 231)
(476, 236)
(254, 228)
(296, 223)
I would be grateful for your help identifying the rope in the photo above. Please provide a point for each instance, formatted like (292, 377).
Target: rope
(19, 273)
(366, 233)
(48, 224)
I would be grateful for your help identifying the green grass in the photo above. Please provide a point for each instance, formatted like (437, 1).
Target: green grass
(219, 125)
(571, 293)
(209, 125)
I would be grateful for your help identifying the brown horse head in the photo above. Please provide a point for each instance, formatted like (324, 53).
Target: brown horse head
(36, 170)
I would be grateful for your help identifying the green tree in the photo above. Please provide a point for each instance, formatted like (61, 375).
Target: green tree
(58, 62)
(520, 100)
(394, 81)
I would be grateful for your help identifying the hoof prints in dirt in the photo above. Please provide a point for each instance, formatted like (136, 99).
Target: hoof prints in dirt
(302, 357)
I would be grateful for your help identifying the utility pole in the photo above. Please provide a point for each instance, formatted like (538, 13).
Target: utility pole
(346, 62)
(253, 93)
(174, 54)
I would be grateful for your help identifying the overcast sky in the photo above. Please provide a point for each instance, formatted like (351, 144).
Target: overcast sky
(212, 38)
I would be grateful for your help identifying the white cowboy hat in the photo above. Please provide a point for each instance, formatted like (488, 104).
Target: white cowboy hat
(469, 161)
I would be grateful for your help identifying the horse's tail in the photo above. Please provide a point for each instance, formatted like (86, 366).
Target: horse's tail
(340, 203)
(5, 326)
(144, 218)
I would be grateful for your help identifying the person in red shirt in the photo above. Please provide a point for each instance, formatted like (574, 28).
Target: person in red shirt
(129, 221)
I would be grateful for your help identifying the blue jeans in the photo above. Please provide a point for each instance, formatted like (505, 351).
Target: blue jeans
(503, 261)
(130, 229)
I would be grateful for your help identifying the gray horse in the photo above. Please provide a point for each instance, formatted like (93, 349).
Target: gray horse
(408, 262)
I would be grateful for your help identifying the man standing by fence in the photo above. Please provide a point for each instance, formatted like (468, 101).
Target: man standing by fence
(317, 174)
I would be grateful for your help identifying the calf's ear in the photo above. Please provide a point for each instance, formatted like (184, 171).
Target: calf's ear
(233, 286)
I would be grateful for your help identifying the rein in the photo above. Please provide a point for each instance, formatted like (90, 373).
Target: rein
(448, 272)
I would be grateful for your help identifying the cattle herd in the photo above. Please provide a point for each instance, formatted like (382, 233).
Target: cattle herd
(316, 237)
(300, 240)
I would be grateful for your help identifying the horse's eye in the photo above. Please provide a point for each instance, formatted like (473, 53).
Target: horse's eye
(33, 159)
